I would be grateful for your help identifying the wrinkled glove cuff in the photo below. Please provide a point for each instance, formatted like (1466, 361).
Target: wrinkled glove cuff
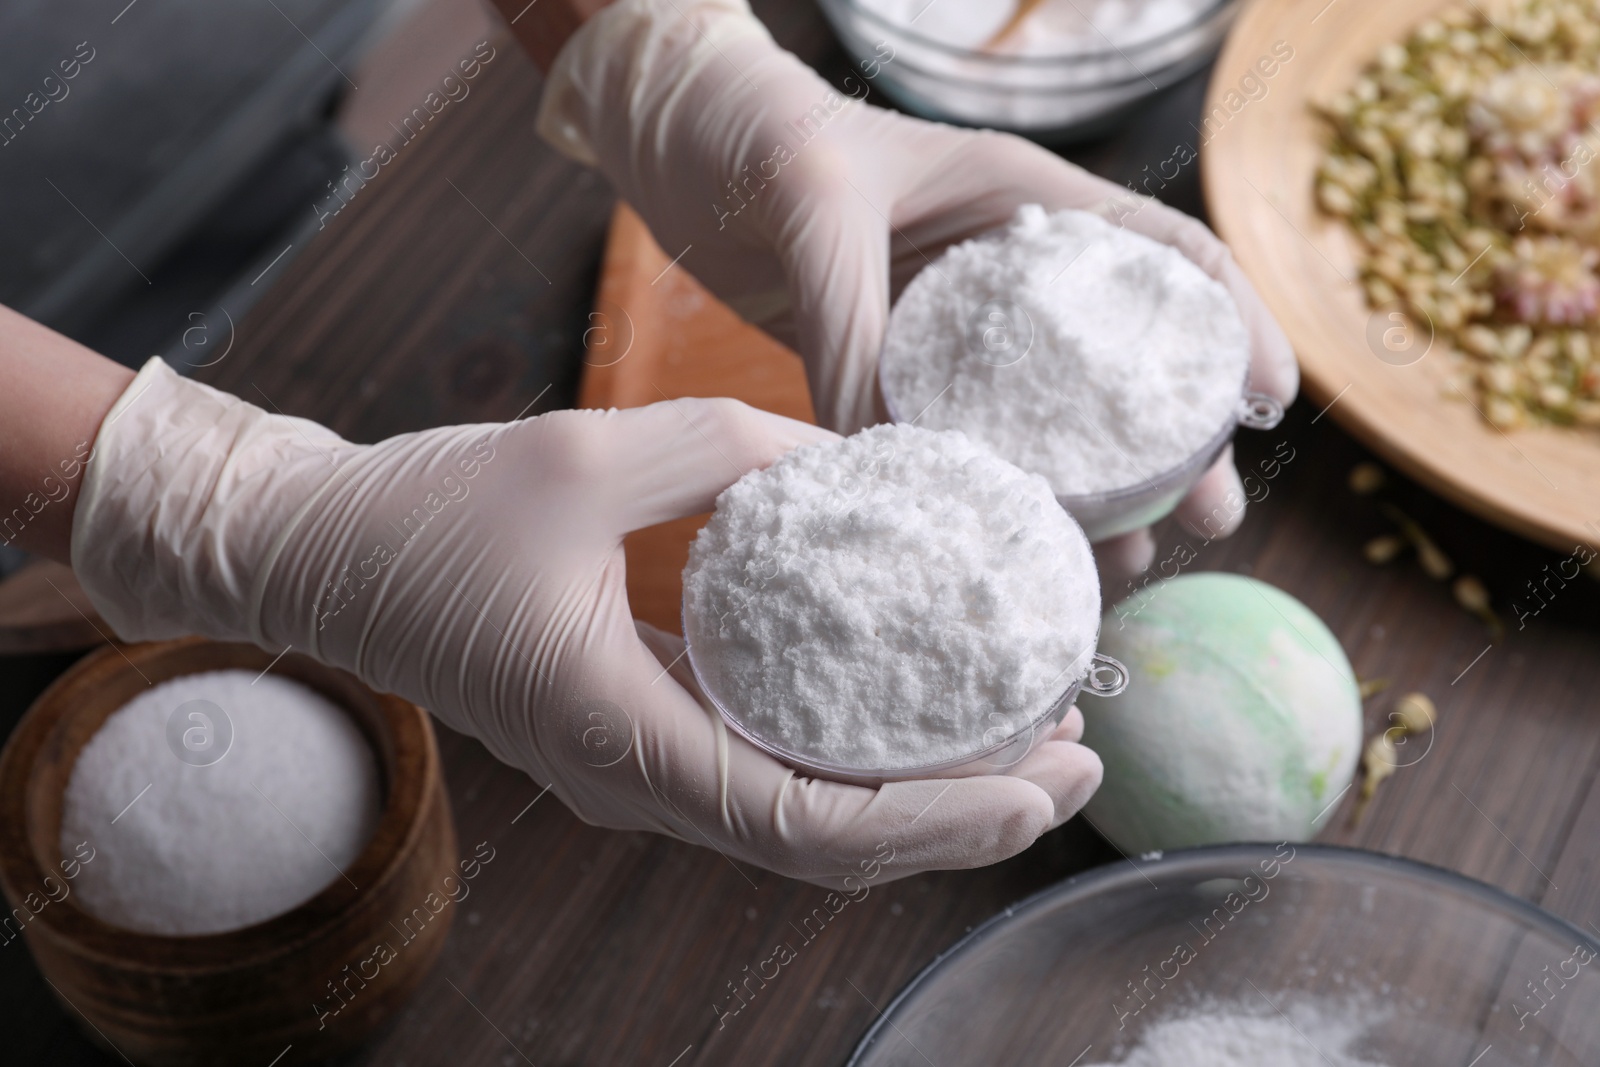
(184, 504)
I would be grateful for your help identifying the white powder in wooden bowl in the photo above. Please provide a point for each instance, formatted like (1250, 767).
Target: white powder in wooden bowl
(1079, 350)
(185, 845)
(893, 600)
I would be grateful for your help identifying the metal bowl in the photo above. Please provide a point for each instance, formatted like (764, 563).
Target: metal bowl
(1430, 966)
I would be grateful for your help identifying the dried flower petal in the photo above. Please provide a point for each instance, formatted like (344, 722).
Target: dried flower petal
(1366, 478)
(1414, 713)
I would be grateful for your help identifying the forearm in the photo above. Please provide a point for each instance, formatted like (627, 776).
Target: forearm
(543, 26)
(55, 395)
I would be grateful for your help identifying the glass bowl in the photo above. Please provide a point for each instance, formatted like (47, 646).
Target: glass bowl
(1434, 967)
(1002, 744)
(1063, 96)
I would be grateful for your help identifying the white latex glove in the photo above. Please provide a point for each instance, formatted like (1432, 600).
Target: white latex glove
(806, 210)
(478, 571)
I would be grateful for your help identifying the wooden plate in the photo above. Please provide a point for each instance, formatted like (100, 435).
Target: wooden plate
(1257, 160)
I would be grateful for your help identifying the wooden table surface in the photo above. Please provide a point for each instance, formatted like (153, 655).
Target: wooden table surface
(455, 288)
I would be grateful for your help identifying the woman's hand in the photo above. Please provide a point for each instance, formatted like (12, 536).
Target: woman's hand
(478, 571)
(807, 210)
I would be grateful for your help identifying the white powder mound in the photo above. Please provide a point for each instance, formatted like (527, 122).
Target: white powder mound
(1126, 361)
(1307, 1034)
(1052, 28)
(207, 848)
(890, 601)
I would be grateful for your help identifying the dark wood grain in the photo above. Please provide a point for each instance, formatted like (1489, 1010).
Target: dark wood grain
(584, 946)
(454, 287)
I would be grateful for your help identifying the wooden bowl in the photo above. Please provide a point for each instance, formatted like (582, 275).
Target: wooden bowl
(1258, 160)
(248, 995)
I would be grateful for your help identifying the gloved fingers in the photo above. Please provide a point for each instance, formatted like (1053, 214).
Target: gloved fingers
(1066, 771)
(668, 648)
(836, 834)
(850, 243)
(742, 802)
(836, 256)
(910, 827)
(1122, 558)
(1273, 368)
(1216, 505)
(973, 181)
(1070, 728)
(632, 748)
(671, 459)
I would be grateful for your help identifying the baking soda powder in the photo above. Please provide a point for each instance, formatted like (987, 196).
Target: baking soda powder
(1305, 1034)
(1079, 350)
(894, 600)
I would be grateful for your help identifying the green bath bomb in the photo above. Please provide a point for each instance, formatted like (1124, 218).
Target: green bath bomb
(1241, 720)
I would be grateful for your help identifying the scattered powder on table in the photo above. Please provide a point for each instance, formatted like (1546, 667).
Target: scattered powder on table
(1307, 1033)
(1126, 359)
(889, 601)
(215, 847)
(1053, 28)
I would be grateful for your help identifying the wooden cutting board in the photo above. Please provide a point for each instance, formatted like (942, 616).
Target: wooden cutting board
(657, 334)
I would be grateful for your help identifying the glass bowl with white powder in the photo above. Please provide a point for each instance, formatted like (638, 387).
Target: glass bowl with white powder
(1065, 69)
(901, 603)
(1101, 359)
(1258, 955)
